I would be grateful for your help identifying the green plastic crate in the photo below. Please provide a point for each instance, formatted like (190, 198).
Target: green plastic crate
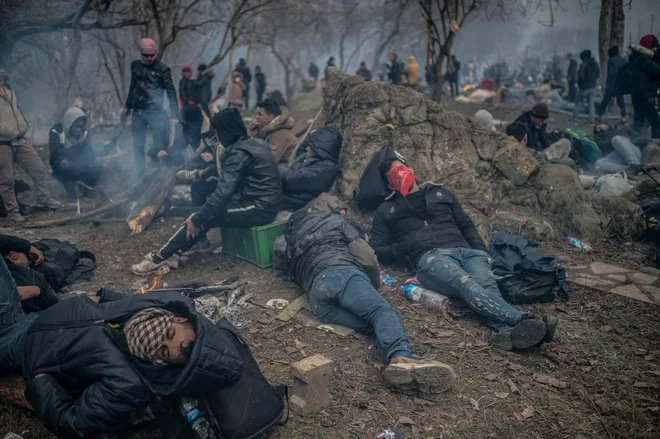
(254, 244)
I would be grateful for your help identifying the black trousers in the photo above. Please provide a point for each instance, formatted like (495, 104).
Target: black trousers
(572, 91)
(235, 214)
(201, 189)
(87, 173)
(645, 109)
(607, 99)
(157, 123)
(246, 97)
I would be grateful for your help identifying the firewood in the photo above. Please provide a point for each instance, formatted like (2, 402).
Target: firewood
(155, 188)
(76, 218)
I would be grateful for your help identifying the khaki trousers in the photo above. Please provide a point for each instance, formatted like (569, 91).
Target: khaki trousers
(27, 158)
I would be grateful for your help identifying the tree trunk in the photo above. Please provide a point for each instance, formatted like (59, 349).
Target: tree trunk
(76, 44)
(611, 29)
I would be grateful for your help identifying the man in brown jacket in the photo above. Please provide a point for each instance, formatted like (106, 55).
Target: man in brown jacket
(15, 148)
(273, 124)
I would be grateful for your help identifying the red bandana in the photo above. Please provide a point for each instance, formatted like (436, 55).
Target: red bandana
(402, 179)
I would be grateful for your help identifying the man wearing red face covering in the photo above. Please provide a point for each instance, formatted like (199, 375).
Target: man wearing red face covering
(426, 227)
(150, 81)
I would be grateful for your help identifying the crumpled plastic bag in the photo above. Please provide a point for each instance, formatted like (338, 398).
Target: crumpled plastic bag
(613, 184)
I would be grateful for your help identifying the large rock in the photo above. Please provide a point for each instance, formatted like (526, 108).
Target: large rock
(494, 177)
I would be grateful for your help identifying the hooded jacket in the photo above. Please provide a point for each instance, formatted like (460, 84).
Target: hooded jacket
(203, 88)
(248, 171)
(308, 178)
(396, 71)
(148, 83)
(260, 80)
(187, 92)
(401, 234)
(413, 71)
(537, 137)
(13, 124)
(92, 382)
(644, 73)
(613, 65)
(319, 238)
(63, 146)
(589, 71)
(279, 137)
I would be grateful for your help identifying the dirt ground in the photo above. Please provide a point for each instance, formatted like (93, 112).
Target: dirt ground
(604, 365)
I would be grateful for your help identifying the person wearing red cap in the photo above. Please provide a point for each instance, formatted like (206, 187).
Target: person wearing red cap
(644, 77)
(187, 87)
(150, 80)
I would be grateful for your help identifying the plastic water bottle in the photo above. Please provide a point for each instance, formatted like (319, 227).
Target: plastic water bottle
(387, 279)
(575, 242)
(197, 422)
(422, 295)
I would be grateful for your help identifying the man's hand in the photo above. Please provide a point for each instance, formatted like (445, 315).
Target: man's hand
(207, 157)
(173, 121)
(162, 154)
(94, 298)
(25, 293)
(191, 230)
(254, 129)
(64, 164)
(125, 111)
(39, 375)
(35, 255)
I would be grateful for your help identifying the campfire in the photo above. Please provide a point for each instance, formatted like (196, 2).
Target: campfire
(156, 282)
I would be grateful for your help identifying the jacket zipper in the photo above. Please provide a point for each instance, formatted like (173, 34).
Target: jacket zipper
(69, 325)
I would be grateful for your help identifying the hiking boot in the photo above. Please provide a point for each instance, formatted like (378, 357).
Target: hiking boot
(529, 331)
(502, 340)
(48, 205)
(413, 373)
(551, 323)
(148, 265)
(186, 177)
(16, 217)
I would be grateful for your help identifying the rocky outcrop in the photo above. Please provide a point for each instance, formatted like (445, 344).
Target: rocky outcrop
(496, 179)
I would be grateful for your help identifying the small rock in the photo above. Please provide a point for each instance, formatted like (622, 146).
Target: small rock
(641, 278)
(650, 270)
(593, 282)
(632, 292)
(603, 268)
(618, 277)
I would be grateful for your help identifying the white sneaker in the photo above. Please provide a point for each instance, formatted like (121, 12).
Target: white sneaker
(186, 177)
(148, 266)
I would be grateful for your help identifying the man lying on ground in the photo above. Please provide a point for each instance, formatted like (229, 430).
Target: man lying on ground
(88, 362)
(247, 194)
(530, 130)
(619, 152)
(273, 124)
(72, 155)
(313, 172)
(35, 293)
(427, 227)
(330, 260)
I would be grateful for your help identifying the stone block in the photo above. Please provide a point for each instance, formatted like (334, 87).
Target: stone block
(310, 393)
(650, 270)
(654, 292)
(618, 277)
(603, 268)
(641, 278)
(515, 162)
(593, 282)
(631, 291)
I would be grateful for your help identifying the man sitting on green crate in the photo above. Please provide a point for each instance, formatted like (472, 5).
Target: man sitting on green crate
(249, 190)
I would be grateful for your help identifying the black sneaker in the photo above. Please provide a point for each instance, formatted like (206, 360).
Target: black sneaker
(528, 332)
(551, 323)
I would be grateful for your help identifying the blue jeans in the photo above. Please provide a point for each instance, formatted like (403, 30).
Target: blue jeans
(13, 322)
(590, 95)
(346, 297)
(464, 273)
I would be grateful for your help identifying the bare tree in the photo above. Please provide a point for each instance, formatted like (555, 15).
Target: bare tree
(611, 30)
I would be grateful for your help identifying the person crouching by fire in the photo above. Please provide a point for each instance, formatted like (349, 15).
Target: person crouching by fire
(249, 190)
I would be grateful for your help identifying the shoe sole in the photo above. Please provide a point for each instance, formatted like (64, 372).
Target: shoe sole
(528, 333)
(551, 323)
(426, 378)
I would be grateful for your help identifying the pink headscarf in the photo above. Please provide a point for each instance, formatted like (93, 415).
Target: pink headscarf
(147, 45)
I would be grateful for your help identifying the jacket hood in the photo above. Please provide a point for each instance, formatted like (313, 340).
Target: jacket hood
(207, 366)
(229, 125)
(71, 115)
(326, 142)
(283, 121)
(641, 50)
(585, 55)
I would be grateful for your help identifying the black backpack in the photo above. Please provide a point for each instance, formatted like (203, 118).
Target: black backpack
(61, 265)
(250, 406)
(373, 190)
(523, 274)
(623, 80)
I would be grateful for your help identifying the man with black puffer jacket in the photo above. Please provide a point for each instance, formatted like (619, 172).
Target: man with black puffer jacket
(89, 362)
(427, 227)
(248, 193)
(327, 255)
(588, 75)
(313, 172)
(645, 80)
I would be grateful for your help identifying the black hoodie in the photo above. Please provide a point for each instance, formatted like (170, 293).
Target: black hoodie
(92, 382)
(307, 178)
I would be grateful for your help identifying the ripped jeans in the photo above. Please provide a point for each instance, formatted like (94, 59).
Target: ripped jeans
(464, 273)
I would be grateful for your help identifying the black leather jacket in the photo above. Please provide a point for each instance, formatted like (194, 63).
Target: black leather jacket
(148, 82)
(248, 172)
(92, 382)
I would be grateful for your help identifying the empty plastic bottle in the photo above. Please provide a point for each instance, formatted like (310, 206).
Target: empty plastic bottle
(199, 424)
(422, 295)
(575, 242)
